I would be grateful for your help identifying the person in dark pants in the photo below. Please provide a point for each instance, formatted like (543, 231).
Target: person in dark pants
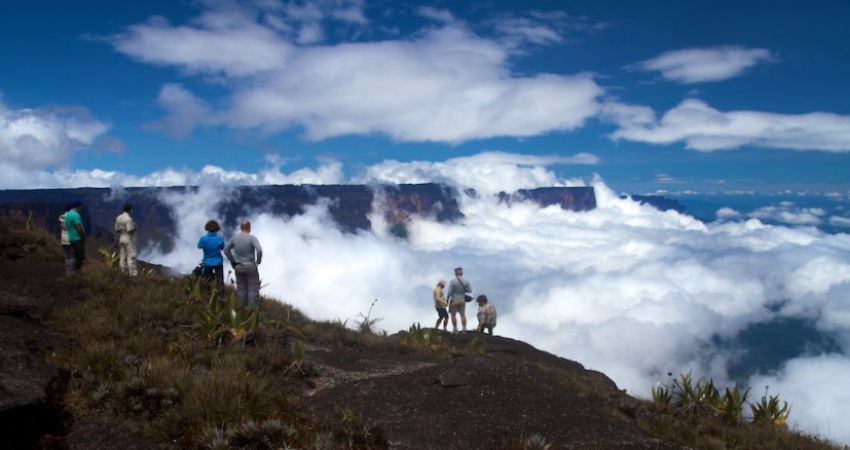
(76, 234)
(213, 264)
(440, 304)
(245, 254)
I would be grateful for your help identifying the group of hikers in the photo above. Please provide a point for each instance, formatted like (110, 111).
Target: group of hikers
(455, 300)
(242, 250)
(73, 238)
(245, 253)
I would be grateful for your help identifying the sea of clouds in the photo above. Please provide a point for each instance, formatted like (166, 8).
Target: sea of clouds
(624, 289)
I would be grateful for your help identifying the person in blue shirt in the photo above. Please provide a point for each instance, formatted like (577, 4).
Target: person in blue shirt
(213, 264)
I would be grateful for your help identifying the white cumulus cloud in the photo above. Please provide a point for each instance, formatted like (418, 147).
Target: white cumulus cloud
(441, 84)
(35, 139)
(704, 128)
(700, 65)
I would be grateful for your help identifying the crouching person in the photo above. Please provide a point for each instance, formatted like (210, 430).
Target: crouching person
(486, 315)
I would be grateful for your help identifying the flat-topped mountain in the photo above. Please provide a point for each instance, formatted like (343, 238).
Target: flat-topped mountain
(350, 205)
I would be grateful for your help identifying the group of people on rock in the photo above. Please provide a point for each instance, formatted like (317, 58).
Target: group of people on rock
(73, 238)
(242, 250)
(455, 300)
(245, 254)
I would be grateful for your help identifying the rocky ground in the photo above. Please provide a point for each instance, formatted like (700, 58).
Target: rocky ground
(462, 402)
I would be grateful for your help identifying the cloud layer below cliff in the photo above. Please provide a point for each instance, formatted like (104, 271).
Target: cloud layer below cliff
(624, 289)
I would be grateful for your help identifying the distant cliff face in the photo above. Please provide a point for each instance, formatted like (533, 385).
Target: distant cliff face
(350, 205)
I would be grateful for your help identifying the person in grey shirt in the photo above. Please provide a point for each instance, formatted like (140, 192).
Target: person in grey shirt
(458, 288)
(245, 254)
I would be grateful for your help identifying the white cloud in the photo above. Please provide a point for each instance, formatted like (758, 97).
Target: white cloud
(700, 65)
(625, 289)
(528, 30)
(34, 139)
(789, 213)
(488, 173)
(443, 84)
(838, 221)
(809, 386)
(242, 48)
(436, 14)
(186, 111)
(726, 213)
(704, 128)
(328, 172)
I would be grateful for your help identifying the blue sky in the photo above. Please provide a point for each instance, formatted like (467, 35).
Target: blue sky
(652, 96)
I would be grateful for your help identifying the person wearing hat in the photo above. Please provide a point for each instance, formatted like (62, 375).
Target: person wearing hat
(76, 234)
(458, 288)
(440, 304)
(125, 228)
(486, 315)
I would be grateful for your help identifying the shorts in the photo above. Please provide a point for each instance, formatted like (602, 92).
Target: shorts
(443, 313)
(458, 306)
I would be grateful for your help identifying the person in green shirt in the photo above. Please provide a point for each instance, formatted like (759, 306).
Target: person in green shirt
(76, 234)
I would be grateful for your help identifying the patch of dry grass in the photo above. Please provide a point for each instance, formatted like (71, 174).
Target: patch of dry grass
(34, 243)
(139, 358)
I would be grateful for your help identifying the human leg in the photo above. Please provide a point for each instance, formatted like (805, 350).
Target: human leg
(69, 258)
(219, 279)
(241, 285)
(122, 257)
(132, 259)
(442, 316)
(253, 287)
(453, 310)
(79, 254)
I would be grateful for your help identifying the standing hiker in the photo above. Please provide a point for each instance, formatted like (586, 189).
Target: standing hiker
(245, 254)
(66, 244)
(440, 304)
(458, 288)
(213, 263)
(125, 227)
(76, 234)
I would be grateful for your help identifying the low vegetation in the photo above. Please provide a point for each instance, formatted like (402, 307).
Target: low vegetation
(188, 370)
(695, 414)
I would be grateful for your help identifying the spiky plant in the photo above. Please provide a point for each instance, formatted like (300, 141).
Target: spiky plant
(213, 438)
(536, 442)
(367, 325)
(298, 353)
(109, 255)
(661, 396)
(731, 406)
(767, 410)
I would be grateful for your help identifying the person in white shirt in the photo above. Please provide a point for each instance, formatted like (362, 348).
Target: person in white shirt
(125, 228)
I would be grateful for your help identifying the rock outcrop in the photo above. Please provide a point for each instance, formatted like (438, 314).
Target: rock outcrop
(349, 205)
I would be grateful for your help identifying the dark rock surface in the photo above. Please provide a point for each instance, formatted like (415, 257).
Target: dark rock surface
(471, 402)
(32, 416)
